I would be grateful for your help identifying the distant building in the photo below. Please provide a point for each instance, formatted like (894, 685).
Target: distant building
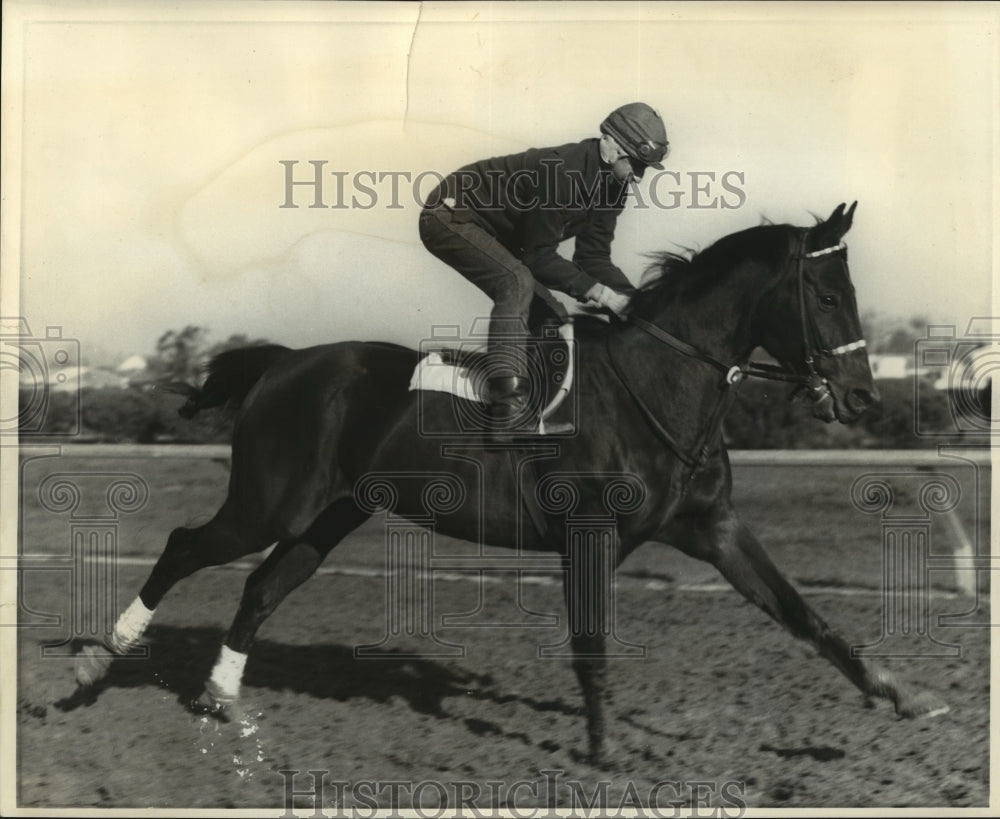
(886, 365)
(898, 365)
(133, 364)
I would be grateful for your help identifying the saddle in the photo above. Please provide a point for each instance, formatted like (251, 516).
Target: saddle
(552, 361)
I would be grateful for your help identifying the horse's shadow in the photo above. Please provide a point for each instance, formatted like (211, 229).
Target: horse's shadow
(180, 658)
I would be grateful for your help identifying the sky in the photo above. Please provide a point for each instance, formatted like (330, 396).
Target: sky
(144, 145)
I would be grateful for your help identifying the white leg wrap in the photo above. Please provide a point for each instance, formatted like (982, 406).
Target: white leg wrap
(228, 672)
(130, 627)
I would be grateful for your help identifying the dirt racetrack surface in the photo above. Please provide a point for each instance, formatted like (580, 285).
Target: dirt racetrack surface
(721, 696)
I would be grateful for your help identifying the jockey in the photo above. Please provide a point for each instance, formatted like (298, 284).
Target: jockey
(499, 222)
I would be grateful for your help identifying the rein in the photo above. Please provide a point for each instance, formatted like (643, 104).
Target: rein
(733, 374)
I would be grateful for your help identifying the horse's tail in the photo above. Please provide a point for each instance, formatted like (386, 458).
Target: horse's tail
(231, 375)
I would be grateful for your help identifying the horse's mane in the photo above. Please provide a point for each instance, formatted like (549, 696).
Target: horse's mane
(674, 273)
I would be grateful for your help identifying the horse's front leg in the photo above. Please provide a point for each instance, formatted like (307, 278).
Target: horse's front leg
(591, 669)
(720, 538)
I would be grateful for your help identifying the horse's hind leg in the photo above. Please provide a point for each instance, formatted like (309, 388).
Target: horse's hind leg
(290, 564)
(732, 548)
(223, 539)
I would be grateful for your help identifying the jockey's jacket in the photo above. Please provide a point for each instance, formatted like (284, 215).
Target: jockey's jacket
(532, 201)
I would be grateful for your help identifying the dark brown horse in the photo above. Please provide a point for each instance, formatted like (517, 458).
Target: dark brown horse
(326, 435)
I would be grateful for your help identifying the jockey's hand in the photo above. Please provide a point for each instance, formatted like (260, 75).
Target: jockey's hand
(604, 296)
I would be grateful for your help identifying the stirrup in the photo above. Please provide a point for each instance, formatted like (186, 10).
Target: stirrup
(555, 427)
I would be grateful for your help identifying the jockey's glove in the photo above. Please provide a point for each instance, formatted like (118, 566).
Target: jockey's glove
(604, 296)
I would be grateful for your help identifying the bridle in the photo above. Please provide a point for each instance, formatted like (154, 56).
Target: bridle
(734, 374)
(812, 338)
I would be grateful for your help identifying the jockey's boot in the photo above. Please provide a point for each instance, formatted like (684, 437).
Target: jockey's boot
(511, 417)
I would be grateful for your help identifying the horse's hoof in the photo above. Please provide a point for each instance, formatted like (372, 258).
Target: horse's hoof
(908, 705)
(215, 704)
(923, 706)
(92, 664)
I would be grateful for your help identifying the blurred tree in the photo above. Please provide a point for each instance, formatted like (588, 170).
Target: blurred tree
(234, 342)
(892, 334)
(181, 356)
(115, 415)
(178, 355)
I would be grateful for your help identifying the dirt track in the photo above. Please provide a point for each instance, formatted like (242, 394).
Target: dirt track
(721, 696)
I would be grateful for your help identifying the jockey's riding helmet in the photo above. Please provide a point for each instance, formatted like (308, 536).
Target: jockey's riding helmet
(640, 132)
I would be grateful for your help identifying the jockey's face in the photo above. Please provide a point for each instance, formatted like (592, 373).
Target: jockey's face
(624, 167)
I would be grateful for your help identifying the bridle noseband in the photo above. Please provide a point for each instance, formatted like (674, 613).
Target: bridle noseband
(733, 374)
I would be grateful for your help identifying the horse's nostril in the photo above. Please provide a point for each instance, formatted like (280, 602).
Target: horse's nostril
(860, 399)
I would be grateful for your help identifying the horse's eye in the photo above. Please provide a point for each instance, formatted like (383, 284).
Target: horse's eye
(829, 301)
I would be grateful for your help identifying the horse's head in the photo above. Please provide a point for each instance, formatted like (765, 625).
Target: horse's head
(810, 322)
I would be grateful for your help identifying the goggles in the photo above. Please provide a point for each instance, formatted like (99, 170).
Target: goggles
(649, 152)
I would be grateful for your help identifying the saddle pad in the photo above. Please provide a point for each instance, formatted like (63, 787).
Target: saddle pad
(434, 373)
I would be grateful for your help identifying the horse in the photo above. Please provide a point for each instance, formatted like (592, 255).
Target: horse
(315, 426)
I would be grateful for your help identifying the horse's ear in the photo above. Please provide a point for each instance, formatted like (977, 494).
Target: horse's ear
(830, 232)
(848, 219)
